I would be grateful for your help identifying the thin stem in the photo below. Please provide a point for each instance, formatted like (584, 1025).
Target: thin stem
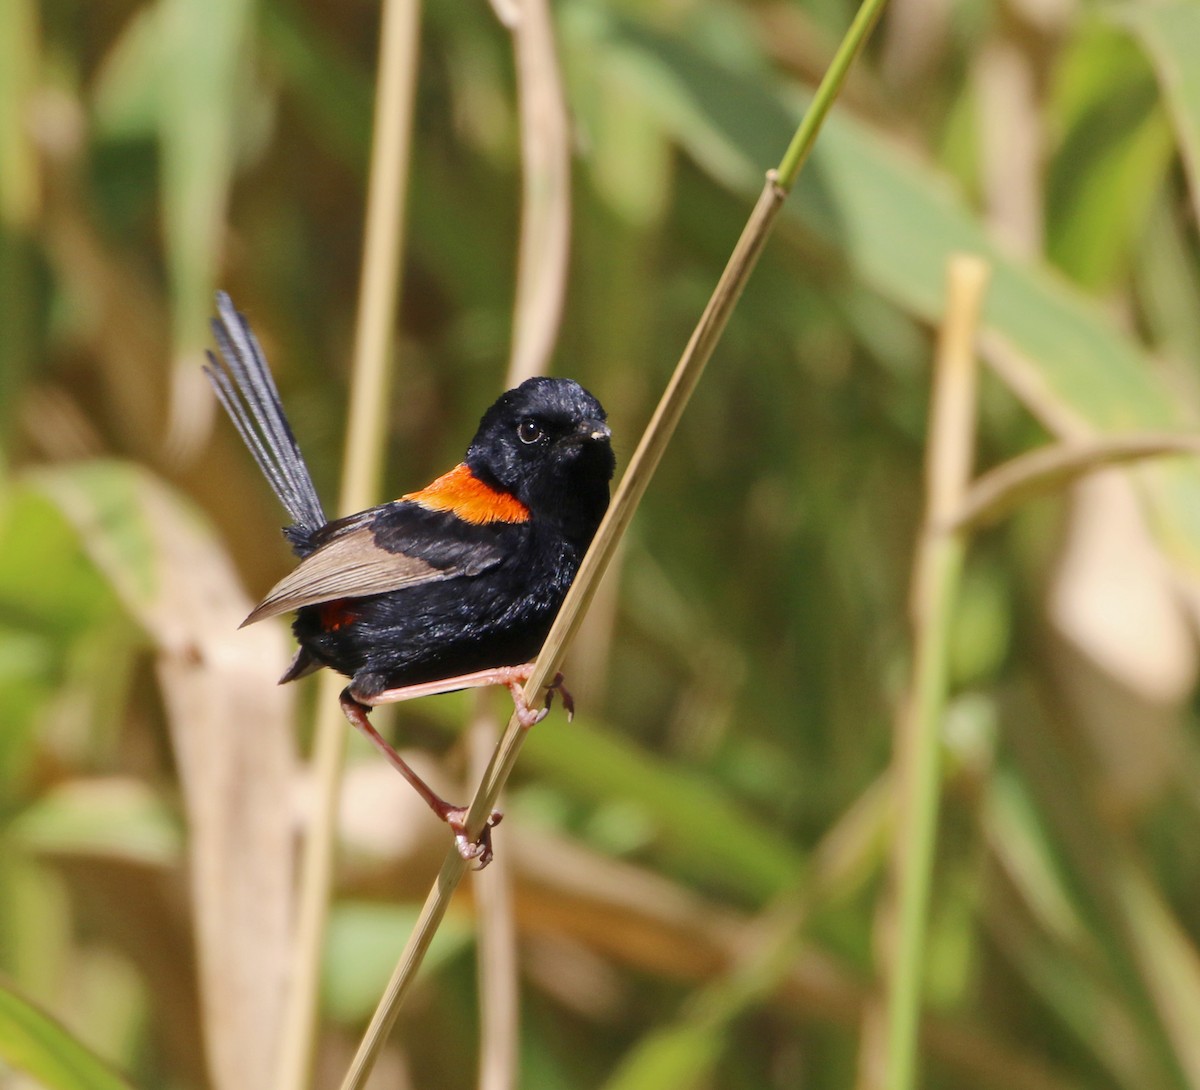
(1001, 490)
(496, 930)
(360, 485)
(831, 85)
(938, 565)
(537, 314)
(545, 194)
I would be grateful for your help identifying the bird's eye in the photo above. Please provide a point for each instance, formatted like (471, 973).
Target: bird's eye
(529, 431)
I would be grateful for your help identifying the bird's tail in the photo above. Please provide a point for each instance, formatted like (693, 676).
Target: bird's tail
(243, 384)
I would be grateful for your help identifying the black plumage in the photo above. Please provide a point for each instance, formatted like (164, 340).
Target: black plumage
(456, 582)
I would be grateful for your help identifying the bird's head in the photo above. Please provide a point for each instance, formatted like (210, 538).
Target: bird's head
(547, 442)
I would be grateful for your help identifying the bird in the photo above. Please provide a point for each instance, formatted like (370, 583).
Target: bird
(451, 586)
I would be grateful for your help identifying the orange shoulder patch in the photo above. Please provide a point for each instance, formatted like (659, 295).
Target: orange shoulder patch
(464, 494)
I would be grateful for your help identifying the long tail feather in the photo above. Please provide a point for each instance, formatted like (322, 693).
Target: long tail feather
(242, 382)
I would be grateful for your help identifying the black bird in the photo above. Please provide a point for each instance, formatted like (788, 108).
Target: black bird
(451, 586)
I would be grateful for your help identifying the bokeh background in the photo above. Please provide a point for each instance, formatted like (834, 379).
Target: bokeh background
(698, 865)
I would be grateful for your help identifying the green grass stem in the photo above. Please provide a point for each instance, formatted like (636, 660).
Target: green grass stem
(938, 567)
(828, 91)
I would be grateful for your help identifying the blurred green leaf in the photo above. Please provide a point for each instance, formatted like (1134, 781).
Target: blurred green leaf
(1167, 284)
(62, 624)
(697, 824)
(1110, 162)
(678, 1057)
(364, 940)
(104, 498)
(34, 540)
(202, 92)
(204, 47)
(18, 165)
(1169, 961)
(1170, 34)
(33, 1042)
(127, 98)
(897, 221)
(117, 819)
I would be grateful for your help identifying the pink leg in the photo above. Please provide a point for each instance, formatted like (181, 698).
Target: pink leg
(454, 816)
(512, 677)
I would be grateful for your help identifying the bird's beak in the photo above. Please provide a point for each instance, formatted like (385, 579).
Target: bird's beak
(593, 429)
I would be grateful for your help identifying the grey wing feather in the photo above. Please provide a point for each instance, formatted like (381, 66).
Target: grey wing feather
(351, 566)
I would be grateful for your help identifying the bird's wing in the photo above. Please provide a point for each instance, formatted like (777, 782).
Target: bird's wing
(397, 545)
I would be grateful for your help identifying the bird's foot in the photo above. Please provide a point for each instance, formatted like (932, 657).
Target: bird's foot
(479, 848)
(515, 677)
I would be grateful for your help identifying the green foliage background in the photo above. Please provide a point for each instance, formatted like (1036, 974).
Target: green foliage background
(700, 862)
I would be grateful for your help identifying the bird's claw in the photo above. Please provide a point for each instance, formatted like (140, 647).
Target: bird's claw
(568, 701)
(529, 716)
(481, 847)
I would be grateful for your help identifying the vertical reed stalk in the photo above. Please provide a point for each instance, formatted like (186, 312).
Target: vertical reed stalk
(362, 469)
(537, 313)
(938, 564)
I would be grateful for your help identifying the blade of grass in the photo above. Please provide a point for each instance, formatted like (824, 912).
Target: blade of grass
(1090, 850)
(937, 568)
(19, 170)
(1167, 958)
(378, 298)
(629, 493)
(33, 1042)
(199, 97)
(683, 1053)
(1059, 950)
(1168, 33)
(20, 198)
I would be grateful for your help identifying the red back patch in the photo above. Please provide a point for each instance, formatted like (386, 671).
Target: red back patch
(336, 614)
(467, 497)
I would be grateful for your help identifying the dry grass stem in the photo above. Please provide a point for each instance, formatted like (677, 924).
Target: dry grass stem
(546, 194)
(361, 472)
(537, 313)
(999, 491)
(952, 414)
(495, 922)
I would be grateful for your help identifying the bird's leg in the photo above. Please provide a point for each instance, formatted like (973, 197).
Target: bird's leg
(512, 677)
(454, 816)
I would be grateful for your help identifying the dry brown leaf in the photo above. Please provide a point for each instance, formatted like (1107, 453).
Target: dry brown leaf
(229, 727)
